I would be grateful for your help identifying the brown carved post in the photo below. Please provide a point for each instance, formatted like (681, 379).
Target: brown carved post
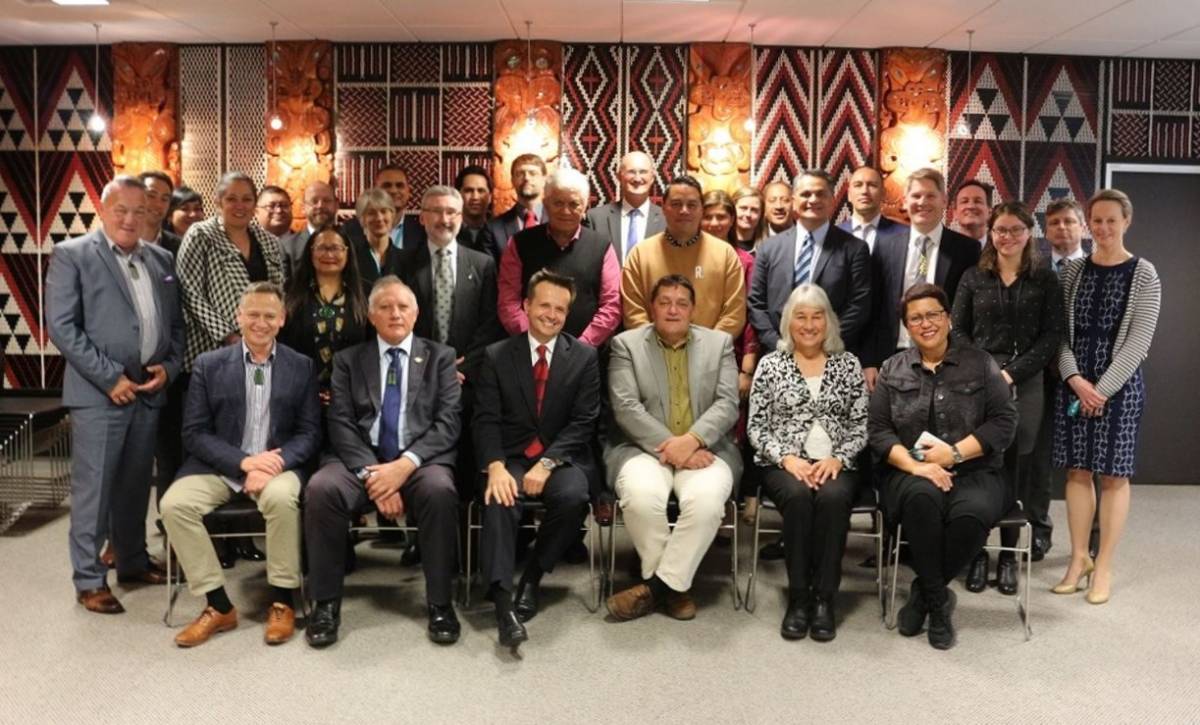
(912, 119)
(300, 151)
(528, 119)
(718, 135)
(145, 129)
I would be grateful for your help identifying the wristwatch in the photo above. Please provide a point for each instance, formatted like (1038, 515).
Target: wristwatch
(957, 456)
(549, 463)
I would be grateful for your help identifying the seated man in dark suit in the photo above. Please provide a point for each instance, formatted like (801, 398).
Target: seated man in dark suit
(528, 173)
(815, 251)
(393, 426)
(252, 425)
(538, 401)
(925, 252)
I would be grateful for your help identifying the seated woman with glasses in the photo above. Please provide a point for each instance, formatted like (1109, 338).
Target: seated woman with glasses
(1010, 306)
(808, 423)
(326, 307)
(941, 418)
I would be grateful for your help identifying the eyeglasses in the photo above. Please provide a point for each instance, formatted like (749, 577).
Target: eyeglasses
(932, 318)
(330, 250)
(276, 206)
(443, 211)
(1009, 231)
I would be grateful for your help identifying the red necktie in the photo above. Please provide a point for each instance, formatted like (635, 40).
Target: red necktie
(541, 371)
(531, 220)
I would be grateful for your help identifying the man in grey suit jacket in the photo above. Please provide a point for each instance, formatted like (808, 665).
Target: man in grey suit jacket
(674, 402)
(628, 221)
(252, 425)
(112, 310)
(811, 251)
(393, 422)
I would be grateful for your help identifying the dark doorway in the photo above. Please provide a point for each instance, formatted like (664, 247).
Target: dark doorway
(1166, 231)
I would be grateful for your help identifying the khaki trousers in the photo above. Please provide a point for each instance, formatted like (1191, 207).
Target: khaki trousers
(644, 486)
(190, 498)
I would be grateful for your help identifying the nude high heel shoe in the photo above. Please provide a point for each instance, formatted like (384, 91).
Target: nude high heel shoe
(1068, 587)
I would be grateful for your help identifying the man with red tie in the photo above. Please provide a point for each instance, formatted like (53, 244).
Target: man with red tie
(529, 182)
(538, 398)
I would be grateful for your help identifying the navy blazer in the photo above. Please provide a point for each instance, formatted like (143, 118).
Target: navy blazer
(91, 319)
(214, 415)
(956, 254)
(506, 417)
(886, 225)
(843, 270)
(432, 404)
(507, 224)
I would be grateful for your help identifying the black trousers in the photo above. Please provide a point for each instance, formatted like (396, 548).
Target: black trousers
(1018, 460)
(944, 529)
(168, 444)
(815, 524)
(565, 499)
(334, 497)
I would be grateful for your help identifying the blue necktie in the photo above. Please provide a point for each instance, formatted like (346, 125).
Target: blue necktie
(391, 428)
(631, 238)
(1058, 266)
(804, 263)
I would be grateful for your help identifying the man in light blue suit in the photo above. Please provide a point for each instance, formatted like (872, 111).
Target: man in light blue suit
(112, 310)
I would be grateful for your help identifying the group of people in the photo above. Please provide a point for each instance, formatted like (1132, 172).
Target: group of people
(561, 356)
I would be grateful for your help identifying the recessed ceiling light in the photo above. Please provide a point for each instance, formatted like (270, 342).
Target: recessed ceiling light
(79, 2)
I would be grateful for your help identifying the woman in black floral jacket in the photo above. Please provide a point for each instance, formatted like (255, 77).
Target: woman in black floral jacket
(808, 422)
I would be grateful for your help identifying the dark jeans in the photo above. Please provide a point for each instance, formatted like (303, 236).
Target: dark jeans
(334, 497)
(565, 499)
(815, 524)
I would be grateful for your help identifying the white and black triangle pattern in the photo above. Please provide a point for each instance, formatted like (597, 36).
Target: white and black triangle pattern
(14, 235)
(15, 336)
(987, 116)
(67, 129)
(76, 214)
(1061, 118)
(13, 134)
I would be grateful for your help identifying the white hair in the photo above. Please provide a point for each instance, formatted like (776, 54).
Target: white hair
(568, 180)
(388, 280)
(120, 181)
(810, 295)
(438, 190)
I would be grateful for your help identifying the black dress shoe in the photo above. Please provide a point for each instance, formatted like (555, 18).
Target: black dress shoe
(822, 627)
(1041, 546)
(771, 552)
(411, 555)
(1006, 575)
(443, 624)
(795, 619)
(512, 632)
(226, 554)
(911, 617)
(977, 573)
(941, 626)
(526, 602)
(322, 629)
(576, 553)
(245, 548)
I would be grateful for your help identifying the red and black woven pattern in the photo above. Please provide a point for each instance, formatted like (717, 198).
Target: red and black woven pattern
(782, 113)
(592, 115)
(846, 120)
(656, 106)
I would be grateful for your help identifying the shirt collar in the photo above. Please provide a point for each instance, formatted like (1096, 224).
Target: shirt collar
(136, 252)
(452, 248)
(533, 344)
(644, 209)
(857, 222)
(663, 343)
(1077, 254)
(384, 346)
(818, 234)
(951, 358)
(935, 235)
(246, 354)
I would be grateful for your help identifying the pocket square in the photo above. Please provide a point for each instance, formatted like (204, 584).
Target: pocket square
(169, 278)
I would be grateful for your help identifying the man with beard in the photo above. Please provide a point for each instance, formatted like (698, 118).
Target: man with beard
(529, 183)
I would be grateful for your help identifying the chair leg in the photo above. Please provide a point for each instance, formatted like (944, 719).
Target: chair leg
(593, 604)
(612, 547)
(751, 585)
(172, 584)
(890, 617)
(733, 554)
(1027, 561)
(468, 575)
(877, 520)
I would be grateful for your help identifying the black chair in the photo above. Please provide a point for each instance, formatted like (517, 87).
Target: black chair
(866, 504)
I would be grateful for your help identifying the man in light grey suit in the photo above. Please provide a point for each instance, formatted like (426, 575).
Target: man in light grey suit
(112, 310)
(628, 221)
(674, 401)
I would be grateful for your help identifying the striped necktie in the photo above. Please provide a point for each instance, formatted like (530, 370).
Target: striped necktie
(803, 263)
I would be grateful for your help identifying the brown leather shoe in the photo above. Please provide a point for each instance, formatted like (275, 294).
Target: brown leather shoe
(209, 622)
(100, 601)
(636, 601)
(154, 573)
(680, 606)
(281, 624)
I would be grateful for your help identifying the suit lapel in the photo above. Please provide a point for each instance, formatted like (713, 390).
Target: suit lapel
(614, 228)
(827, 249)
(464, 284)
(659, 368)
(417, 363)
(695, 382)
(519, 349)
(424, 266)
(279, 374)
(943, 262)
(370, 366)
(234, 375)
(783, 273)
(110, 261)
(559, 362)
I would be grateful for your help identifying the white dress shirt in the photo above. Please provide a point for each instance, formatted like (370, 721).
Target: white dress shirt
(533, 346)
(866, 230)
(910, 263)
(642, 217)
(384, 363)
(818, 236)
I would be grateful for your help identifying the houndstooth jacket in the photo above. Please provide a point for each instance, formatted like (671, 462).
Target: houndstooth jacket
(213, 276)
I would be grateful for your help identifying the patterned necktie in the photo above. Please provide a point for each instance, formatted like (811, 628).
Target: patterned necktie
(632, 237)
(541, 371)
(531, 219)
(803, 263)
(391, 428)
(443, 291)
(921, 268)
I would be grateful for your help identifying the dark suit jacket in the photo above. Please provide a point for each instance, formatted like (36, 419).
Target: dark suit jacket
(606, 219)
(483, 242)
(170, 242)
(503, 227)
(91, 319)
(214, 415)
(1045, 250)
(886, 226)
(843, 270)
(506, 418)
(473, 321)
(431, 415)
(956, 254)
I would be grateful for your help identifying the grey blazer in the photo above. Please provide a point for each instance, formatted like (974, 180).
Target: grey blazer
(637, 381)
(606, 219)
(92, 321)
(432, 415)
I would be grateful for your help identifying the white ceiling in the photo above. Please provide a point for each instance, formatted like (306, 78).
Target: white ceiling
(1148, 28)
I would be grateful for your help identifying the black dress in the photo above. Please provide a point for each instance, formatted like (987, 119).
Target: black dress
(322, 329)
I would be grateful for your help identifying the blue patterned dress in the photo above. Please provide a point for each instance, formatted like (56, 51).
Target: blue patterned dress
(1105, 444)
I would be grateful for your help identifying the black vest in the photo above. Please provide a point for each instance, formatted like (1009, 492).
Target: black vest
(582, 261)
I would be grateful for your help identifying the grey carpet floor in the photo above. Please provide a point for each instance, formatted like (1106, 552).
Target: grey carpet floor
(1136, 659)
